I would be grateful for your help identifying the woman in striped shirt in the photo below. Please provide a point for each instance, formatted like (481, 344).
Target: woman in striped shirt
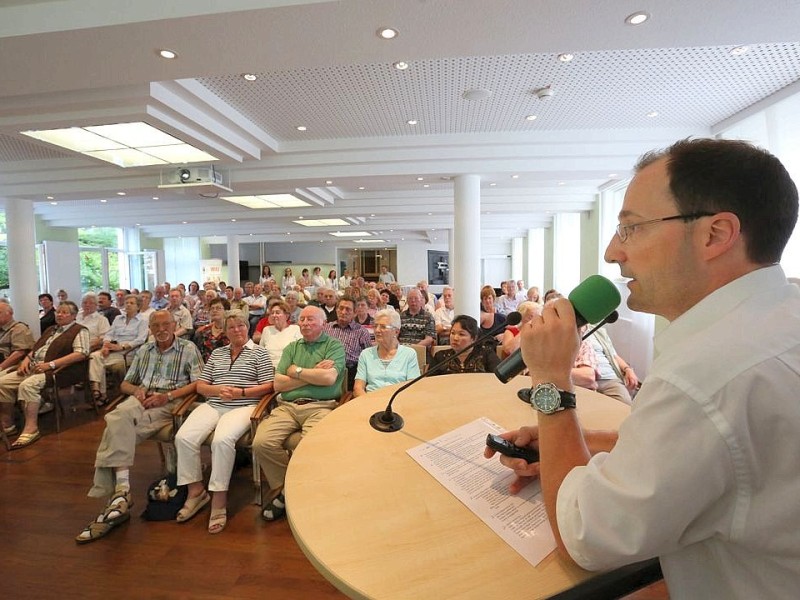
(235, 377)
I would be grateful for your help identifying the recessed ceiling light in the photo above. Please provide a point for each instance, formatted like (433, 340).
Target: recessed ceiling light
(562, 183)
(530, 118)
(184, 222)
(412, 121)
(322, 222)
(54, 203)
(349, 233)
(565, 57)
(301, 128)
(387, 33)
(361, 187)
(515, 177)
(233, 220)
(329, 182)
(637, 18)
(50, 198)
(426, 185)
(652, 114)
(266, 201)
(739, 50)
(420, 179)
(155, 197)
(164, 53)
(372, 215)
(249, 76)
(138, 224)
(492, 184)
(400, 65)
(612, 175)
(430, 214)
(120, 193)
(103, 201)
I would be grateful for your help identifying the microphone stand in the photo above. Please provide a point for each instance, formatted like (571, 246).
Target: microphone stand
(388, 421)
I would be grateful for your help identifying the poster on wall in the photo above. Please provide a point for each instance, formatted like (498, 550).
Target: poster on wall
(438, 267)
(211, 270)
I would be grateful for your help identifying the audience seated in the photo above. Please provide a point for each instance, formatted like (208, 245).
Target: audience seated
(481, 359)
(528, 310)
(309, 378)
(443, 317)
(159, 300)
(615, 377)
(163, 371)
(353, 336)
(95, 322)
(211, 336)
(417, 323)
(233, 381)
(63, 344)
(326, 298)
(362, 312)
(16, 340)
(126, 332)
(277, 333)
(490, 318)
(180, 313)
(507, 302)
(47, 315)
(106, 308)
(387, 362)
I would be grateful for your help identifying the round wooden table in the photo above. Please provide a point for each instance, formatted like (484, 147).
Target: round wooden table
(377, 525)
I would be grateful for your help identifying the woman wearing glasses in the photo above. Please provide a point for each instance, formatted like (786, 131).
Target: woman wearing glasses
(387, 362)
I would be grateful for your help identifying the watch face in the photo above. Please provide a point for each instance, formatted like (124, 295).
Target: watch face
(546, 398)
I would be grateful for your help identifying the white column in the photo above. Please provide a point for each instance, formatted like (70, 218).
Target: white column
(467, 244)
(451, 250)
(22, 275)
(535, 274)
(517, 258)
(233, 261)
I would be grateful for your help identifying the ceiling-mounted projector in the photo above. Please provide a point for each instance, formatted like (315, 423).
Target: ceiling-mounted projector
(205, 180)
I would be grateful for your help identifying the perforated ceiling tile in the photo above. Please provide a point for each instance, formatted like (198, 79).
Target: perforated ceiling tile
(16, 149)
(610, 89)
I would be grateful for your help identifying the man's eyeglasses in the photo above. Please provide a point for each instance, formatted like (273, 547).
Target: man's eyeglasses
(623, 231)
(381, 327)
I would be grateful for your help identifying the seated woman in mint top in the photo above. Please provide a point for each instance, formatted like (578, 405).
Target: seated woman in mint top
(387, 362)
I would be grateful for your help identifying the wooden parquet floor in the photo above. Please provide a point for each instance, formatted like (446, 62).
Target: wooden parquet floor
(43, 506)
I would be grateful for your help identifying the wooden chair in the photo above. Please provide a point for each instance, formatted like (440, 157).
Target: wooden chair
(262, 411)
(439, 349)
(68, 377)
(422, 355)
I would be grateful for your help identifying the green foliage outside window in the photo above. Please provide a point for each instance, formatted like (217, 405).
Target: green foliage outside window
(91, 262)
(3, 253)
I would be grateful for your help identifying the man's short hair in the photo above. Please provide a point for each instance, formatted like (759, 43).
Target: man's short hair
(73, 308)
(106, 294)
(710, 175)
(346, 299)
(46, 295)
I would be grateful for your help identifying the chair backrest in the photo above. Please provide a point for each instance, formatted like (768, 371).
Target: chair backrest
(422, 355)
(439, 349)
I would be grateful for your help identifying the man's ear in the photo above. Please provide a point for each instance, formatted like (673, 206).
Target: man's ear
(721, 233)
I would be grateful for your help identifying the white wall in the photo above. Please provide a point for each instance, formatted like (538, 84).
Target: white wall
(182, 259)
(63, 269)
(412, 260)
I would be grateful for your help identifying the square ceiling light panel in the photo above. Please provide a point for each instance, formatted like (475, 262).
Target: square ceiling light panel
(267, 201)
(123, 144)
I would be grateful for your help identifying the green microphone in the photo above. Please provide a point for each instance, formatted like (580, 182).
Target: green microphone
(594, 301)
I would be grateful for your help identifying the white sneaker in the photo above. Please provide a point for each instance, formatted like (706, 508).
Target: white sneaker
(45, 407)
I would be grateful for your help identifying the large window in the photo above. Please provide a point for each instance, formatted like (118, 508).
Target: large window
(4, 283)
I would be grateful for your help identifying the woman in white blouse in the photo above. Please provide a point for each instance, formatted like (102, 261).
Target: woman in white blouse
(316, 279)
(332, 282)
(288, 281)
(279, 333)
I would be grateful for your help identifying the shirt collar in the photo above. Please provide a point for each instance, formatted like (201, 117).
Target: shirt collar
(719, 303)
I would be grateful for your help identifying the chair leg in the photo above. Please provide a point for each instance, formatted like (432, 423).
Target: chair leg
(259, 497)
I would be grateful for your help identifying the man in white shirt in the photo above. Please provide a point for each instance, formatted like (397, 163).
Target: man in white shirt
(443, 317)
(96, 323)
(507, 302)
(704, 473)
(386, 276)
(181, 314)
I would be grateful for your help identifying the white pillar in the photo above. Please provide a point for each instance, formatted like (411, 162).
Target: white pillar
(467, 244)
(451, 251)
(22, 276)
(517, 258)
(233, 261)
(535, 274)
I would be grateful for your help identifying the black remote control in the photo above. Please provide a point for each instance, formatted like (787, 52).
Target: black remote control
(495, 442)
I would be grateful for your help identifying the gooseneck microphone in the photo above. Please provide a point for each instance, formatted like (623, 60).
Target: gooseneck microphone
(388, 421)
(594, 300)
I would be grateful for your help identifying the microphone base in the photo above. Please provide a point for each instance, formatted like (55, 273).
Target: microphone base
(378, 422)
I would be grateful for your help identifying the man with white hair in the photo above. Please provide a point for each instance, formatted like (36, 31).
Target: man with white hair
(95, 322)
(417, 325)
(508, 302)
(443, 316)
